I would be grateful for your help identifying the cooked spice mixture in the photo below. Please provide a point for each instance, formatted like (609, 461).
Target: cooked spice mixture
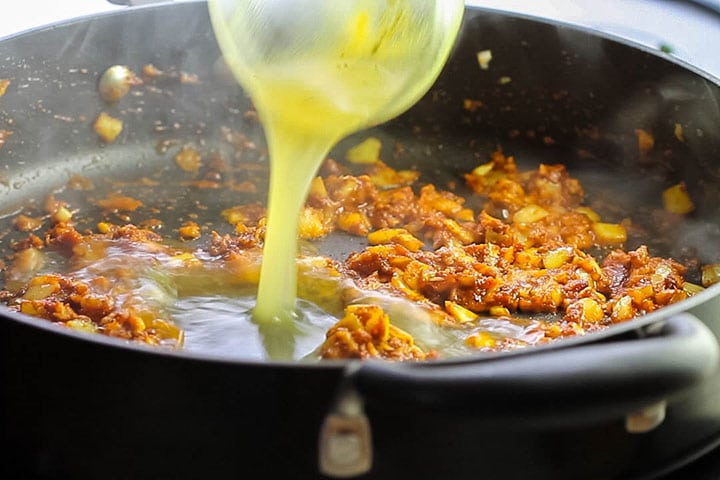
(531, 264)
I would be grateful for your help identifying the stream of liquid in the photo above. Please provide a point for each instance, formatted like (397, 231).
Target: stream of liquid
(318, 71)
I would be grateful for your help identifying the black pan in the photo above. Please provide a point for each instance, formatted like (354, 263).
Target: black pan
(78, 406)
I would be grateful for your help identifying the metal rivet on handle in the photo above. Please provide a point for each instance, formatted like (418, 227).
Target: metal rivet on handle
(345, 448)
(646, 419)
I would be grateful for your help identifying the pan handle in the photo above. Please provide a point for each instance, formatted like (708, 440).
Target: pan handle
(587, 383)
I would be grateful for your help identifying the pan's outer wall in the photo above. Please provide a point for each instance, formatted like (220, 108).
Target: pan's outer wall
(80, 409)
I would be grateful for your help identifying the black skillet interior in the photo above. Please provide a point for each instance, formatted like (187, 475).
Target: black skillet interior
(550, 95)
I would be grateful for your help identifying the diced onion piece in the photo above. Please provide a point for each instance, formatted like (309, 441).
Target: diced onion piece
(384, 177)
(588, 212)
(646, 141)
(609, 233)
(107, 127)
(28, 308)
(395, 235)
(710, 274)
(586, 276)
(82, 325)
(189, 231)
(136, 322)
(623, 309)
(679, 132)
(459, 313)
(234, 215)
(662, 272)
(312, 224)
(530, 214)
(168, 330)
(62, 215)
(465, 236)
(411, 294)
(365, 152)
(40, 291)
(557, 257)
(356, 223)
(484, 57)
(692, 288)
(480, 340)
(640, 294)
(676, 199)
(499, 311)
(465, 215)
(318, 190)
(591, 310)
(552, 330)
(483, 169)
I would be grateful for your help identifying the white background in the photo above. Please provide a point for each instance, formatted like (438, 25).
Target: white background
(694, 34)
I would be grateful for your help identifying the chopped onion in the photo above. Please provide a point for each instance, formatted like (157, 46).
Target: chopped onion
(710, 274)
(676, 199)
(692, 288)
(484, 57)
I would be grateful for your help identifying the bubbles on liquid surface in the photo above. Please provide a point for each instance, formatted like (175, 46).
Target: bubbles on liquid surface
(223, 326)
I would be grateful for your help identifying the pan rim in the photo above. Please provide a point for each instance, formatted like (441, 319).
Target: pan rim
(611, 333)
(636, 324)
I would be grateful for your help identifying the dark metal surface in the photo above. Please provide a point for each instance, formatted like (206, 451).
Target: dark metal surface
(591, 392)
(711, 5)
(89, 408)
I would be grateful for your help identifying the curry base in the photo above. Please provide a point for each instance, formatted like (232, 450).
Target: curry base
(436, 279)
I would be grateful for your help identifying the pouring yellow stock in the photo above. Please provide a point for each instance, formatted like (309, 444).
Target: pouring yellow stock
(317, 71)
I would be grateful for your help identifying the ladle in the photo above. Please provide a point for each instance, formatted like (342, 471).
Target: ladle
(317, 71)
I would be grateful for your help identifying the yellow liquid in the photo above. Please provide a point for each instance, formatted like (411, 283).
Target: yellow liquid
(362, 63)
